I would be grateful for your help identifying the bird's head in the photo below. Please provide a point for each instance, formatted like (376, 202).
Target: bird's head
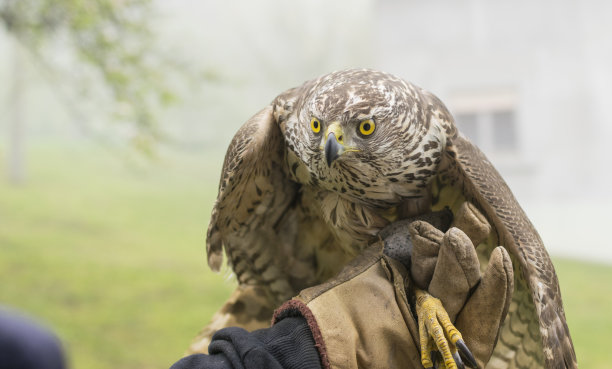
(360, 131)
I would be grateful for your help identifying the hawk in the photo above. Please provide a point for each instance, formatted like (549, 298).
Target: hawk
(310, 181)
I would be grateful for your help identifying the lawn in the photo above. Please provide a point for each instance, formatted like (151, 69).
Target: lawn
(110, 254)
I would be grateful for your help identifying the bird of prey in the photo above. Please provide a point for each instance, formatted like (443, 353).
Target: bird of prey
(310, 180)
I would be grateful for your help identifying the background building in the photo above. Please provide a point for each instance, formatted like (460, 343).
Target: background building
(531, 84)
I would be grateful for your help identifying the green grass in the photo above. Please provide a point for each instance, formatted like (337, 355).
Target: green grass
(585, 288)
(111, 256)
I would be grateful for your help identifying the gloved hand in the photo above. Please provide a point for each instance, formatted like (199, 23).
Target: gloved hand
(446, 266)
(364, 318)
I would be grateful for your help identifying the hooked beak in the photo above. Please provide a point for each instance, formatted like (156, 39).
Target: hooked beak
(334, 142)
(333, 149)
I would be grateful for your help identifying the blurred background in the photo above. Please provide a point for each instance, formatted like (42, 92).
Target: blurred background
(115, 116)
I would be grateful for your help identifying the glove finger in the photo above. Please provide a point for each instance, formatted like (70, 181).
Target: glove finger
(456, 273)
(426, 241)
(471, 221)
(481, 318)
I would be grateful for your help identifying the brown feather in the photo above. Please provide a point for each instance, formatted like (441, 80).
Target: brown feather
(537, 311)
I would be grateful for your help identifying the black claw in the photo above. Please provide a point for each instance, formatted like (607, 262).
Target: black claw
(436, 358)
(466, 353)
(458, 360)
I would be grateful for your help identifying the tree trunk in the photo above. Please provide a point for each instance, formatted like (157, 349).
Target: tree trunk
(16, 125)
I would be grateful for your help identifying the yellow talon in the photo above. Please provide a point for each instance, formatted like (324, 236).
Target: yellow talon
(425, 345)
(435, 326)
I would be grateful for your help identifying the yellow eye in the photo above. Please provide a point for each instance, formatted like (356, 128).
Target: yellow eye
(315, 125)
(366, 127)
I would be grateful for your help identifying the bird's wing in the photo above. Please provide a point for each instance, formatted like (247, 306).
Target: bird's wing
(254, 195)
(535, 333)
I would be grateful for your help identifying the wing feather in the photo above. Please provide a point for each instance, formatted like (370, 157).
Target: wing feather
(254, 194)
(537, 308)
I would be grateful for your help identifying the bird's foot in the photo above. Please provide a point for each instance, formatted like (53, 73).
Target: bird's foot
(439, 339)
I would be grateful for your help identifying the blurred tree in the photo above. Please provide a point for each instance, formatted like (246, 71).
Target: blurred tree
(112, 42)
(16, 166)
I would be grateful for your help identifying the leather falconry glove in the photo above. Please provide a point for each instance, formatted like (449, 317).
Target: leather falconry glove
(371, 315)
(446, 266)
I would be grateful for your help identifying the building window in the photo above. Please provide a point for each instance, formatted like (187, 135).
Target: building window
(489, 122)
(504, 130)
(468, 125)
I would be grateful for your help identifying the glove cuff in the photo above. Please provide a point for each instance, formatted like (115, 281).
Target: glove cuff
(293, 308)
